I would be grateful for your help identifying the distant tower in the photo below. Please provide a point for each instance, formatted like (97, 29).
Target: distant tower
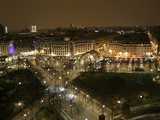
(33, 28)
(6, 29)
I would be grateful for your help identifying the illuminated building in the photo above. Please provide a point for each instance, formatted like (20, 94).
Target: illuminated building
(55, 47)
(127, 47)
(3, 48)
(63, 47)
(60, 49)
(7, 48)
(83, 46)
(120, 46)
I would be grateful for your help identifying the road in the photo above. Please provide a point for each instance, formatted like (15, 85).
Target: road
(29, 112)
(80, 109)
(77, 111)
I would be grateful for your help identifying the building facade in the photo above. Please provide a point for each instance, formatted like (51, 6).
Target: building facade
(120, 46)
(54, 47)
(4, 48)
(126, 47)
(83, 46)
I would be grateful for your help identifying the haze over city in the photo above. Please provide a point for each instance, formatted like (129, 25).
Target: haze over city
(17, 14)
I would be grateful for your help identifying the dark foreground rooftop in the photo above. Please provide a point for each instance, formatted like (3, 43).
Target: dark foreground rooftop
(135, 89)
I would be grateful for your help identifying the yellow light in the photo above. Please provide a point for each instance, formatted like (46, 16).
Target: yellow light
(77, 53)
(52, 54)
(119, 102)
(110, 51)
(126, 54)
(42, 51)
(25, 115)
(69, 54)
(120, 53)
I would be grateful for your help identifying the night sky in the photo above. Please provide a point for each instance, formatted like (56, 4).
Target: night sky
(54, 13)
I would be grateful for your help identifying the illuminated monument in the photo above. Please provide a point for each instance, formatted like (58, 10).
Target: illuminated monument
(6, 29)
(11, 49)
(33, 28)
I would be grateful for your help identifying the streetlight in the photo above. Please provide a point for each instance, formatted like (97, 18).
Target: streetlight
(42, 101)
(25, 115)
(61, 89)
(44, 82)
(140, 96)
(67, 72)
(103, 106)
(19, 104)
(76, 88)
(118, 101)
(60, 78)
(19, 83)
(110, 51)
(66, 82)
(87, 96)
(157, 77)
(154, 80)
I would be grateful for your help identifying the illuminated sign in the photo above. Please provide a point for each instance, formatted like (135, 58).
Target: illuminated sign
(11, 49)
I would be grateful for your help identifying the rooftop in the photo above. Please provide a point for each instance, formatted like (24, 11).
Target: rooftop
(133, 38)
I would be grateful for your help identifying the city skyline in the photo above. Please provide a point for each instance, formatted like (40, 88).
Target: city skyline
(80, 60)
(50, 14)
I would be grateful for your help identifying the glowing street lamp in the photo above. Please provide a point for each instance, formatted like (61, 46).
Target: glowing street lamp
(45, 82)
(19, 83)
(42, 51)
(87, 96)
(67, 73)
(110, 51)
(19, 104)
(103, 106)
(62, 89)
(140, 96)
(25, 115)
(76, 88)
(126, 54)
(157, 77)
(118, 101)
(69, 54)
(154, 80)
(120, 53)
(42, 101)
(66, 82)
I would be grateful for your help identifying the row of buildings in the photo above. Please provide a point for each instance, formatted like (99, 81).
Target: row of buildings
(65, 48)
(127, 46)
(124, 46)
